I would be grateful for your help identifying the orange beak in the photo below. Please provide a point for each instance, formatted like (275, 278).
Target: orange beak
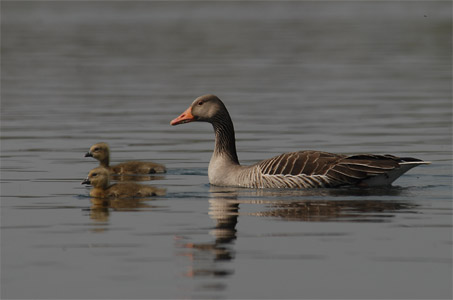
(185, 117)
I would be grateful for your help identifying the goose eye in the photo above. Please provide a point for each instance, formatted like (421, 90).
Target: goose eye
(200, 103)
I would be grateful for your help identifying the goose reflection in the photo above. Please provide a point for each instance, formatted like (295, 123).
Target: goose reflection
(343, 205)
(211, 259)
(337, 210)
(207, 258)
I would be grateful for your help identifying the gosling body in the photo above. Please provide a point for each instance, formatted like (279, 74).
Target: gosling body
(98, 178)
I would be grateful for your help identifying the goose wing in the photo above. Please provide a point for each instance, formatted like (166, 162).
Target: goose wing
(321, 169)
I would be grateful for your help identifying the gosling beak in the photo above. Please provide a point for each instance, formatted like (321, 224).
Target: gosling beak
(86, 181)
(88, 154)
(185, 117)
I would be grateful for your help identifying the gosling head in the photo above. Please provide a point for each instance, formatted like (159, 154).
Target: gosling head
(98, 178)
(101, 152)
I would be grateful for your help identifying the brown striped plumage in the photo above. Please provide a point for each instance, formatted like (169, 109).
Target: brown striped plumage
(321, 169)
(303, 169)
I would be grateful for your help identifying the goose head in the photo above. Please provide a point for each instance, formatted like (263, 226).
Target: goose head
(205, 108)
(98, 178)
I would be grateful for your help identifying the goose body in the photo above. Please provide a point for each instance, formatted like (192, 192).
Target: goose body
(99, 179)
(101, 152)
(302, 169)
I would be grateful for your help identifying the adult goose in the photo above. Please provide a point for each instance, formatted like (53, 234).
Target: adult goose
(302, 169)
(101, 152)
(98, 178)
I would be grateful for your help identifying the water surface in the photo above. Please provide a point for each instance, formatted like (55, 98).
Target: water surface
(344, 77)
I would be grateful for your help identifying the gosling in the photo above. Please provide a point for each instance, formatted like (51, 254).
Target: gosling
(101, 152)
(98, 178)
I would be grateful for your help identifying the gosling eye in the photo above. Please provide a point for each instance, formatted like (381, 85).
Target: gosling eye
(96, 149)
(94, 174)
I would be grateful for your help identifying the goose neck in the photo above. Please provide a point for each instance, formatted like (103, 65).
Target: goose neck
(225, 142)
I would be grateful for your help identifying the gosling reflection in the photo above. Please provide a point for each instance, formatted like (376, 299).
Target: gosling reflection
(100, 208)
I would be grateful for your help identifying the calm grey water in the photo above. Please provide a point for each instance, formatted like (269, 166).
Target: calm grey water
(345, 77)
